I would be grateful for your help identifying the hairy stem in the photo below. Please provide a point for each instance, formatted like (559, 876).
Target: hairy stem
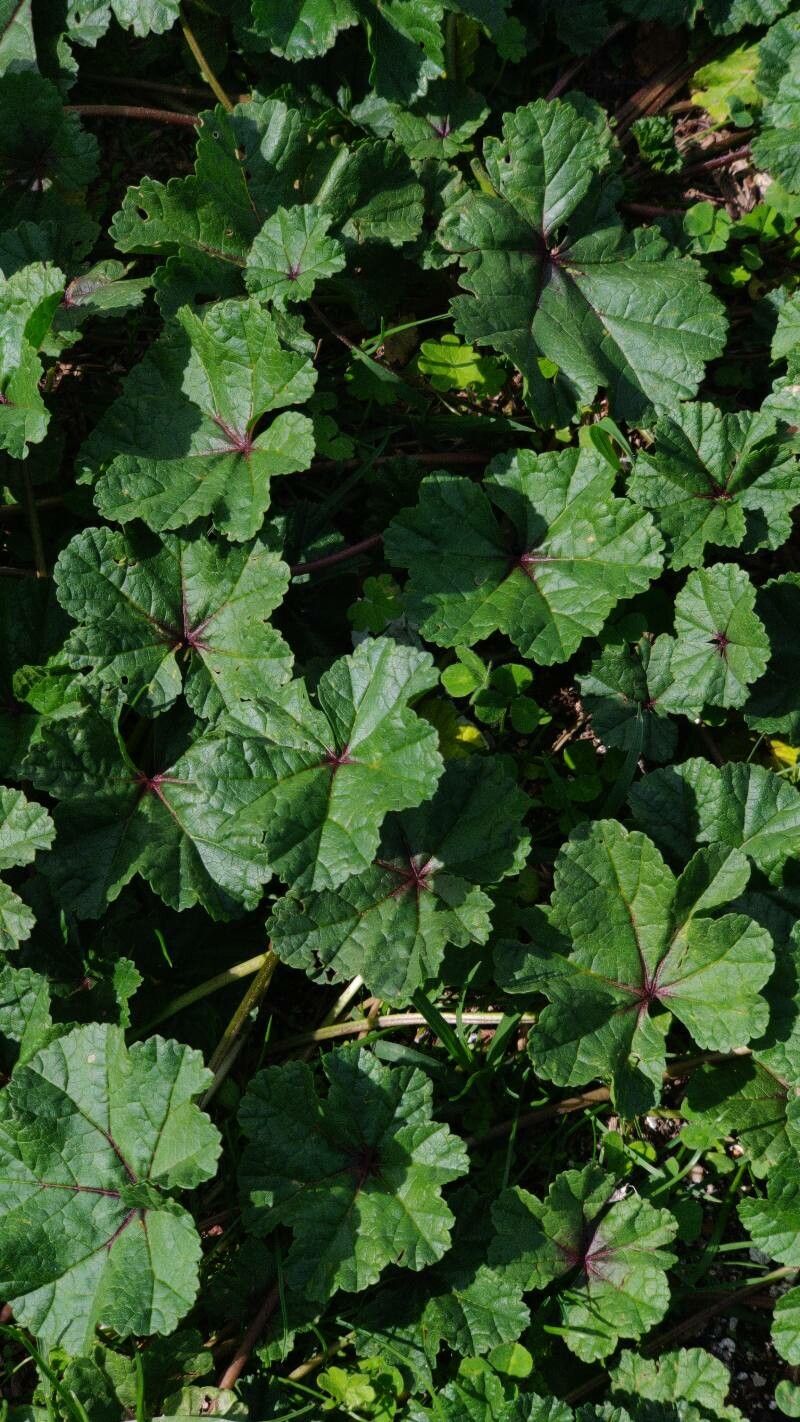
(196, 994)
(232, 1039)
(133, 111)
(339, 556)
(35, 526)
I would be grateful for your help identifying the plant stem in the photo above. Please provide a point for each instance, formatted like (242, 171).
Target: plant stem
(36, 527)
(297, 1374)
(711, 163)
(232, 1039)
(133, 111)
(385, 1023)
(338, 557)
(238, 1362)
(195, 994)
(203, 65)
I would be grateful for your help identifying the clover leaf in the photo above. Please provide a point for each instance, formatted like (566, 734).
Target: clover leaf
(357, 1174)
(93, 1138)
(606, 1256)
(209, 460)
(551, 272)
(155, 614)
(25, 828)
(391, 923)
(116, 819)
(730, 480)
(290, 254)
(317, 780)
(638, 946)
(572, 552)
(720, 645)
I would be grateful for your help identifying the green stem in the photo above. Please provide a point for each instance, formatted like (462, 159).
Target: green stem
(389, 1021)
(35, 526)
(232, 1039)
(709, 1254)
(204, 66)
(195, 994)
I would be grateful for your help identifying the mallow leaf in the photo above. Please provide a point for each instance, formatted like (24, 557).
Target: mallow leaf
(25, 828)
(117, 819)
(390, 924)
(546, 568)
(786, 1326)
(551, 272)
(29, 298)
(737, 806)
(317, 780)
(720, 645)
(605, 1256)
(623, 692)
(748, 1099)
(291, 253)
(247, 163)
(690, 1375)
(299, 29)
(24, 1009)
(638, 946)
(773, 1221)
(47, 159)
(356, 1174)
(442, 123)
(728, 480)
(93, 1139)
(778, 80)
(158, 615)
(211, 461)
(772, 704)
(32, 631)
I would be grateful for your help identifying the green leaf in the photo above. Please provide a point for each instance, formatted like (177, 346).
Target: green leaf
(449, 364)
(720, 645)
(77, 1141)
(573, 551)
(727, 17)
(391, 923)
(210, 460)
(638, 945)
(778, 80)
(551, 272)
(17, 44)
(728, 480)
(25, 828)
(46, 158)
(117, 820)
(726, 86)
(28, 302)
(786, 338)
(24, 1008)
(290, 254)
(605, 1256)
(773, 1222)
(738, 806)
(406, 45)
(317, 780)
(158, 614)
(442, 124)
(744, 1098)
(357, 1175)
(772, 704)
(786, 1326)
(622, 692)
(691, 1375)
(301, 29)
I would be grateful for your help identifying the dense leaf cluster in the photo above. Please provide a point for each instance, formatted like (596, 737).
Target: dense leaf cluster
(399, 709)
